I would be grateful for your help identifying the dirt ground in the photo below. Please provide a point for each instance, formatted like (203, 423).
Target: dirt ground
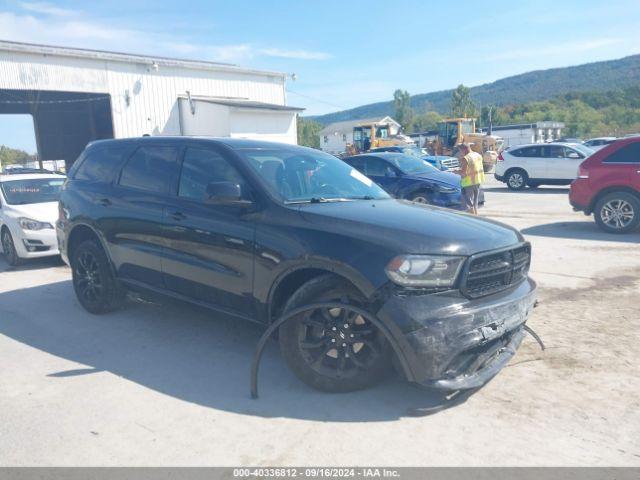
(167, 384)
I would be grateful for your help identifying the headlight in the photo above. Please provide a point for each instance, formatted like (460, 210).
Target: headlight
(424, 270)
(29, 224)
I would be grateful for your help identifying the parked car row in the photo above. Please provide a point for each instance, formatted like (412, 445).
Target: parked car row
(604, 182)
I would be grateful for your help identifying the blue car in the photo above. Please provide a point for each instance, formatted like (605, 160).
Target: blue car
(409, 177)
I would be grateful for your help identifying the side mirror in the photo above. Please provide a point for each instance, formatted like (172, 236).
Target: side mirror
(225, 193)
(390, 173)
(574, 155)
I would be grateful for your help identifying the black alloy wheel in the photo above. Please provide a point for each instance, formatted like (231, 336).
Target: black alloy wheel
(333, 349)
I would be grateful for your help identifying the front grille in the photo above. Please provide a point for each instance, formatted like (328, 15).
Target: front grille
(492, 272)
(451, 163)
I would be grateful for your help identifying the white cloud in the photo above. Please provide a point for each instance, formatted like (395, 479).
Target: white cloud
(45, 8)
(44, 23)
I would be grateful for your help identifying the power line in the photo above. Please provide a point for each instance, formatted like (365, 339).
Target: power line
(40, 102)
(318, 100)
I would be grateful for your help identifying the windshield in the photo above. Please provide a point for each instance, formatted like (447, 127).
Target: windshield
(36, 190)
(296, 174)
(408, 164)
(586, 151)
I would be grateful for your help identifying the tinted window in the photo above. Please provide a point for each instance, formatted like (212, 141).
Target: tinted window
(375, 166)
(151, 168)
(202, 167)
(102, 163)
(555, 151)
(530, 152)
(357, 163)
(628, 154)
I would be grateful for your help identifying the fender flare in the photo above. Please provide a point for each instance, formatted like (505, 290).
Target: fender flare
(255, 365)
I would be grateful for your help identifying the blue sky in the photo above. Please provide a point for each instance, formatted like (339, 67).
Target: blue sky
(344, 54)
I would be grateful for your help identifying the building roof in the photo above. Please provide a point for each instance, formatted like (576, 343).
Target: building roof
(127, 57)
(243, 103)
(347, 126)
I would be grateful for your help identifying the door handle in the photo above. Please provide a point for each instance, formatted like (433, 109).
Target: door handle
(178, 216)
(105, 202)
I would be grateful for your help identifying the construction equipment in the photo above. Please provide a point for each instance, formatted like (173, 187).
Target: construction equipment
(374, 135)
(454, 131)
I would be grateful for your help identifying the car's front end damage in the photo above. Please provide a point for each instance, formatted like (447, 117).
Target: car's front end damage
(459, 339)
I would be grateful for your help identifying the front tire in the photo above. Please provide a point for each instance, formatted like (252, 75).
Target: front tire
(9, 249)
(96, 287)
(420, 197)
(617, 212)
(333, 350)
(516, 179)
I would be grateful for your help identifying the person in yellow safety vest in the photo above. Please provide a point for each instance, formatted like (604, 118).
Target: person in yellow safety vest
(472, 177)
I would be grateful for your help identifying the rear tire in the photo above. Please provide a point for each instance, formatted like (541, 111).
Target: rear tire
(306, 342)
(516, 179)
(617, 212)
(96, 287)
(9, 249)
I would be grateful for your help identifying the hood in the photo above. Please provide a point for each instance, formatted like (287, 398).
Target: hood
(437, 176)
(43, 212)
(411, 228)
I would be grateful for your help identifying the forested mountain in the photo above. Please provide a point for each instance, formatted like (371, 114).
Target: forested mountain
(528, 87)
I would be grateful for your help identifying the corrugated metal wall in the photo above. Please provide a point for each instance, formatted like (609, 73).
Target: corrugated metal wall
(144, 100)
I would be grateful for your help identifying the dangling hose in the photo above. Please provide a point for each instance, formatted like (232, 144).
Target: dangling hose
(314, 306)
(530, 331)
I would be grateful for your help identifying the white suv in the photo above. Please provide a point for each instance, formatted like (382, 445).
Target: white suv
(540, 164)
(28, 211)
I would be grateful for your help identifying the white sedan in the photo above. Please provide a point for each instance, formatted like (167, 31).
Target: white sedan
(28, 212)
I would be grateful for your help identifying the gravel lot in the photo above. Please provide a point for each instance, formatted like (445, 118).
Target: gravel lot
(166, 384)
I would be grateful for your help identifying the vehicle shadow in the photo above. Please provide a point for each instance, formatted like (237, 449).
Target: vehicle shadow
(585, 230)
(529, 191)
(181, 351)
(32, 264)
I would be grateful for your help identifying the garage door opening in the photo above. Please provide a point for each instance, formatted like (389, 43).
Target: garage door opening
(63, 122)
(17, 141)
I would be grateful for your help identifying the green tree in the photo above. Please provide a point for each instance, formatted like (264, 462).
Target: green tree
(309, 133)
(9, 156)
(425, 121)
(461, 103)
(402, 106)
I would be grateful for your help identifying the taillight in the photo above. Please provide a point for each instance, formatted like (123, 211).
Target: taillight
(500, 158)
(583, 172)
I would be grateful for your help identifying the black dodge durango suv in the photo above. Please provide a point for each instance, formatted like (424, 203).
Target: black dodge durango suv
(257, 229)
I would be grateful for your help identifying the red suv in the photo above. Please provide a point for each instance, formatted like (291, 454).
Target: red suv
(608, 185)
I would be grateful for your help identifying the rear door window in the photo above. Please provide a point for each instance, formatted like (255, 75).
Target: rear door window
(102, 164)
(628, 154)
(357, 163)
(152, 169)
(530, 152)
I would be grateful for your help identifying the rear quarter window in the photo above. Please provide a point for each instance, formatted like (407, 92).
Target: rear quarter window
(630, 153)
(102, 164)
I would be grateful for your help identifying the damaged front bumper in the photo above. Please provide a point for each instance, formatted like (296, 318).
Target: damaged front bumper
(453, 343)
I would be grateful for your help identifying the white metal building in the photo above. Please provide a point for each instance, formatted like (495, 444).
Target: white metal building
(539, 132)
(77, 95)
(335, 136)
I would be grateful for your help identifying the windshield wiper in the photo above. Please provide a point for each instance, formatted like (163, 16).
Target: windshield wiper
(318, 200)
